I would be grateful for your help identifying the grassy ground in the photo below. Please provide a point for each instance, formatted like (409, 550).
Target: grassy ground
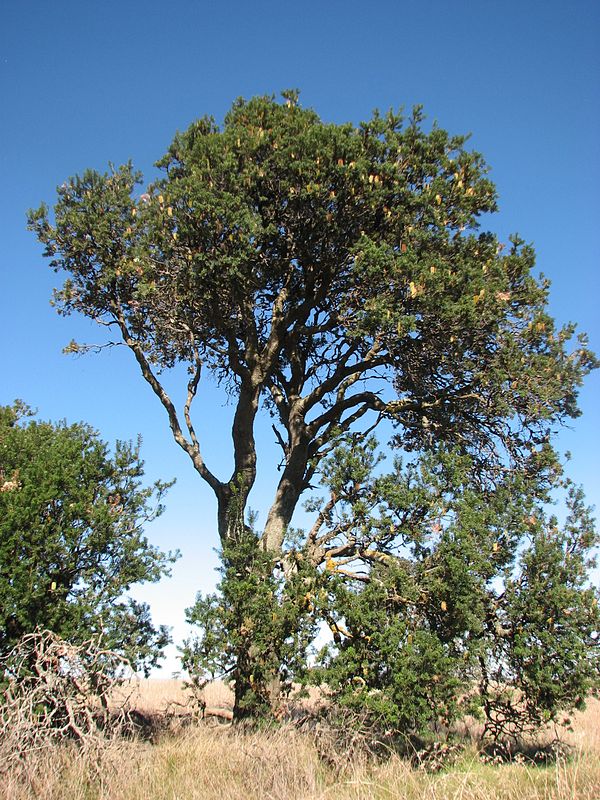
(220, 763)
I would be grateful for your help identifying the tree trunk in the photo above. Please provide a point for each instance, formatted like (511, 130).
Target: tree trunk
(232, 496)
(255, 697)
(288, 493)
(257, 671)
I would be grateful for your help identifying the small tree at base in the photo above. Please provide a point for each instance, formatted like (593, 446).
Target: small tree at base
(256, 628)
(71, 538)
(480, 603)
(332, 275)
(545, 659)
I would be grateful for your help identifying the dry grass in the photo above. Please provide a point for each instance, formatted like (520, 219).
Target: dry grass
(283, 764)
(157, 695)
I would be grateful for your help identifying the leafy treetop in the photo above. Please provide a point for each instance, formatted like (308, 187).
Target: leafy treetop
(333, 273)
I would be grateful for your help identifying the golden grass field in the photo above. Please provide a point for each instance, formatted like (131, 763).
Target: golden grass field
(204, 762)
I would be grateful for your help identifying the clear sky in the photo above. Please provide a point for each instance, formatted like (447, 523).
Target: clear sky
(83, 83)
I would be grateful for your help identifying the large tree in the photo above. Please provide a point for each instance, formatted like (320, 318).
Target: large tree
(71, 538)
(331, 274)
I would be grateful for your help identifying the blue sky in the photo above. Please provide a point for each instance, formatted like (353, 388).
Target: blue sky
(84, 83)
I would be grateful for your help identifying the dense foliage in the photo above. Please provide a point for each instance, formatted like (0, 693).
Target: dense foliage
(335, 276)
(71, 537)
(254, 629)
(456, 599)
(480, 601)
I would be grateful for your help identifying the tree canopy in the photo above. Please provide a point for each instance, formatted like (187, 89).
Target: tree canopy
(335, 276)
(71, 537)
(327, 271)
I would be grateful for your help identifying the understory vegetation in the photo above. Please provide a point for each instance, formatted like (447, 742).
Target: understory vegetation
(476, 601)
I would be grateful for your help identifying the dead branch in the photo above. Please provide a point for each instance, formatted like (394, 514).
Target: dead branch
(55, 691)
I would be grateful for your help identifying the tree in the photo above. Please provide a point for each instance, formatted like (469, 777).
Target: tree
(71, 538)
(479, 603)
(257, 626)
(545, 658)
(332, 275)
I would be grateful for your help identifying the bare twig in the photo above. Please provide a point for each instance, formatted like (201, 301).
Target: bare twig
(57, 691)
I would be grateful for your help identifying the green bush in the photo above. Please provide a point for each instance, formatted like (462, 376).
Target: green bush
(71, 537)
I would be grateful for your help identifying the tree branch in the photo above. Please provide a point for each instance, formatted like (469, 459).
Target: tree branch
(192, 449)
